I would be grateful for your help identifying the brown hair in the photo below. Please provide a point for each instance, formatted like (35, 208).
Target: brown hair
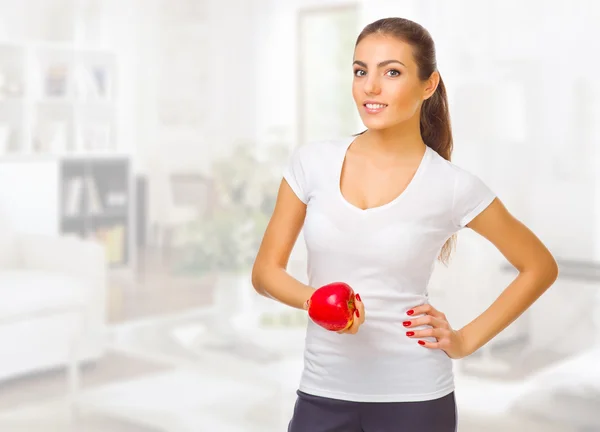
(436, 130)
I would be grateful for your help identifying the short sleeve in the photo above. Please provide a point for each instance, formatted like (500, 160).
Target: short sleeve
(296, 173)
(471, 197)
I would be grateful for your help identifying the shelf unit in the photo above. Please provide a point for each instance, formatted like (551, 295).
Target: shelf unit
(56, 99)
(95, 200)
(58, 108)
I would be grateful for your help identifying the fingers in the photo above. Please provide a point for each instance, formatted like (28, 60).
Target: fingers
(427, 320)
(426, 344)
(306, 304)
(355, 325)
(439, 328)
(440, 335)
(437, 333)
(360, 309)
(352, 328)
(359, 317)
(427, 309)
(349, 328)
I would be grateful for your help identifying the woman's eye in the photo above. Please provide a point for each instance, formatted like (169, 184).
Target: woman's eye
(359, 72)
(394, 72)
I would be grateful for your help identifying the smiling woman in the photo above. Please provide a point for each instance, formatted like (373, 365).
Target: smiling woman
(408, 68)
(378, 209)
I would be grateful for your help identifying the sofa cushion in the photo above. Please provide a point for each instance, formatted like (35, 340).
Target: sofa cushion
(28, 291)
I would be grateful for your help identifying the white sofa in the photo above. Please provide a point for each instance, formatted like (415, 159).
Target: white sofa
(52, 293)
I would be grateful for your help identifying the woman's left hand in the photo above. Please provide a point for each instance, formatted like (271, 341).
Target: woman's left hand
(448, 340)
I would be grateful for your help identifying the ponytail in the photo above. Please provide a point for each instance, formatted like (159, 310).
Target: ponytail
(436, 132)
(435, 122)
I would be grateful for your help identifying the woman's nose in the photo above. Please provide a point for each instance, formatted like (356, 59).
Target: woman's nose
(372, 86)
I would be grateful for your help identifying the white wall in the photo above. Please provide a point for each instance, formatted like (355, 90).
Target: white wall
(276, 68)
(28, 20)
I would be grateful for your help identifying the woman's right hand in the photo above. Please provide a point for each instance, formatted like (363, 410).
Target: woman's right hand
(359, 316)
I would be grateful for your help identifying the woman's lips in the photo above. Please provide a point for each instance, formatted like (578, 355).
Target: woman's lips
(374, 108)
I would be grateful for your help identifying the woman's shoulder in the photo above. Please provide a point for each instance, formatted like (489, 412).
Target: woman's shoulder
(470, 193)
(309, 165)
(449, 169)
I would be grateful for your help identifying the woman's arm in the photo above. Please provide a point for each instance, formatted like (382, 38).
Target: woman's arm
(269, 275)
(537, 272)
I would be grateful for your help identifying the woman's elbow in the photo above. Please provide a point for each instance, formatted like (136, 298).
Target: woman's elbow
(552, 270)
(547, 270)
(256, 279)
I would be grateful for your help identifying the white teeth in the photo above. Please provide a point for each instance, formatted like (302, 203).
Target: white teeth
(375, 106)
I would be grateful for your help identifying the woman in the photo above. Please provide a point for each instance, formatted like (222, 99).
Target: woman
(378, 209)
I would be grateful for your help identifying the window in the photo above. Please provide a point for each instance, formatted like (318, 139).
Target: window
(326, 46)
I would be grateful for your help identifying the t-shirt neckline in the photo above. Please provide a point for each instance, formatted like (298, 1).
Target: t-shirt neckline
(412, 184)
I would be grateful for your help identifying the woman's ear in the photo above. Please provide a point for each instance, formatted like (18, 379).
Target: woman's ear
(431, 85)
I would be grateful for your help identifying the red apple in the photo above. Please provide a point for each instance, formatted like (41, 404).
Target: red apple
(332, 306)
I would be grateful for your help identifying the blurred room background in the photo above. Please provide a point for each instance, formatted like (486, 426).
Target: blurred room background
(142, 143)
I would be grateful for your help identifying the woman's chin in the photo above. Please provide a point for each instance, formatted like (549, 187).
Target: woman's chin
(375, 124)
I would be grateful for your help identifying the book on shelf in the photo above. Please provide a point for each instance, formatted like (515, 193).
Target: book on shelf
(94, 200)
(56, 80)
(73, 196)
(74, 190)
(113, 239)
(92, 82)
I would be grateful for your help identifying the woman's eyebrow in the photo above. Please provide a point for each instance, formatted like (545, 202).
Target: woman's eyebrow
(381, 64)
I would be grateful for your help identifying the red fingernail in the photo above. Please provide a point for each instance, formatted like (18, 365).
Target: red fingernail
(410, 333)
(406, 323)
(410, 312)
(357, 313)
(358, 297)
(421, 342)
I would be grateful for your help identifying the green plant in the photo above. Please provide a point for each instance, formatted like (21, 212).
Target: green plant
(227, 237)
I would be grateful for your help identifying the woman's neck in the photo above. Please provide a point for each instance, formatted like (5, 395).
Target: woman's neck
(402, 140)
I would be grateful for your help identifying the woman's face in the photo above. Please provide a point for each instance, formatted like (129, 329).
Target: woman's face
(386, 86)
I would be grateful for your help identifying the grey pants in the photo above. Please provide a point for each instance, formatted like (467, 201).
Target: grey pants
(320, 414)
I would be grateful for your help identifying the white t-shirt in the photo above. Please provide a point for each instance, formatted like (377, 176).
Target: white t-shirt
(387, 254)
